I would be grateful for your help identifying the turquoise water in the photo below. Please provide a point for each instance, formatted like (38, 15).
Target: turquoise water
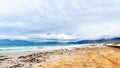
(19, 48)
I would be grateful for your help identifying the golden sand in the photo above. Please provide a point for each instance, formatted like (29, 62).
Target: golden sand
(75, 57)
(106, 57)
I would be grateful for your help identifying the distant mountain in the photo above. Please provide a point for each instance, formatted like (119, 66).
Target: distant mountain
(7, 41)
(103, 40)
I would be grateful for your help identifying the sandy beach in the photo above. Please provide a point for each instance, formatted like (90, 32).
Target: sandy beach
(75, 57)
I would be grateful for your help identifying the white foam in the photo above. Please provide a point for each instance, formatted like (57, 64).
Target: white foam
(38, 48)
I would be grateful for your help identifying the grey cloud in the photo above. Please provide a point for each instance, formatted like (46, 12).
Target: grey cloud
(82, 17)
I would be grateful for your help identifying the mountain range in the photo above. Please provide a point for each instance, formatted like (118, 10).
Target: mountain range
(103, 40)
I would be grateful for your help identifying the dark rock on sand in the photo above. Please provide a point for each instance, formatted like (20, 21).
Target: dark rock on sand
(16, 66)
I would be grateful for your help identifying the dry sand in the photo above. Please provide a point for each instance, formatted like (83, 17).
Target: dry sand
(76, 57)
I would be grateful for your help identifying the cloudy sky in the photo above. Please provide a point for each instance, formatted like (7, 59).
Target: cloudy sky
(59, 19)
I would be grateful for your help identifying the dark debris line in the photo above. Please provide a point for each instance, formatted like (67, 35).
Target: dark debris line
(114, 46)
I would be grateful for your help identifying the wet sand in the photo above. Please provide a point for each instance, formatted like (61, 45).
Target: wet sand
(76, 57)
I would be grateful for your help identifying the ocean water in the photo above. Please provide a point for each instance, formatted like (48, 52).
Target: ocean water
(20, 48)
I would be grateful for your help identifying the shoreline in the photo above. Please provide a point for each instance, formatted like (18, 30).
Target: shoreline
(45, 48)
(41, 59)
(19, 53)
